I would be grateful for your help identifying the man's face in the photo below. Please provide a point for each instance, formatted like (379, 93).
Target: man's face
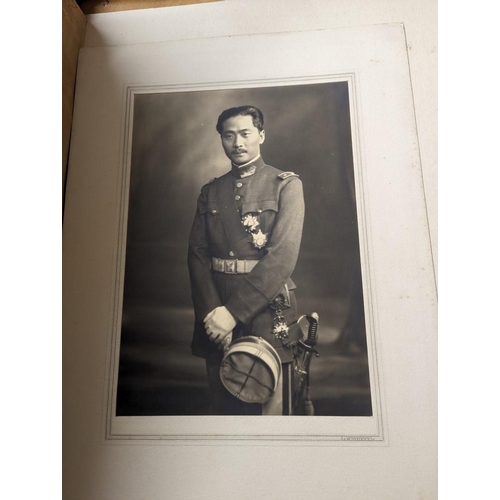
(241, 139)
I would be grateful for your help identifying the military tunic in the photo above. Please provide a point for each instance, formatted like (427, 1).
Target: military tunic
(275, 199)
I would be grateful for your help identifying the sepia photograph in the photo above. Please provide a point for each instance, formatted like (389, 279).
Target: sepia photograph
(243, 286)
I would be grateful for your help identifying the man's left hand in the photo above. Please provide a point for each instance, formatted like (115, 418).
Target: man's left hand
(219, 323)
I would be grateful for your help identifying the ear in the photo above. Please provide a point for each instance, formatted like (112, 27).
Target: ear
(262, 134)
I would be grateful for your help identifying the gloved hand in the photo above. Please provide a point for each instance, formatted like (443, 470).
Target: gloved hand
(219, 323)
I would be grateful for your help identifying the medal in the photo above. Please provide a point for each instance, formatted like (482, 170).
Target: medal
(251, 223)
(280, 328)
(259, 239)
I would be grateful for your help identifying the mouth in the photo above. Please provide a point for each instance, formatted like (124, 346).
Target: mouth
(239, 152)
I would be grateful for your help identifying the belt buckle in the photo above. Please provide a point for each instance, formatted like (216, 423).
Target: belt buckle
(230, 266)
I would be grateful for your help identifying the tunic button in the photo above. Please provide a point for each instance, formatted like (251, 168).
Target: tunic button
(231, 253)
(214, 211)
(239, 184)
(259, 210)
(237, 197)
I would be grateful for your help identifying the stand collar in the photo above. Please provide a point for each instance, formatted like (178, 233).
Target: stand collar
(248, 168)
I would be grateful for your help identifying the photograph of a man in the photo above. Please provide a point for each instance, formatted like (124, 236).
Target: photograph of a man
(228, 247)
(243, 248)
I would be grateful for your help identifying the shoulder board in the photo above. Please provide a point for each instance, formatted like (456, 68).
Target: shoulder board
(285, 175)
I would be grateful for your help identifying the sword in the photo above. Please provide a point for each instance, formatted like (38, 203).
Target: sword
(307, 347)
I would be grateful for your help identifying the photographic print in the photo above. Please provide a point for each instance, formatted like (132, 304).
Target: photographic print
(345, 202)
(176, 150)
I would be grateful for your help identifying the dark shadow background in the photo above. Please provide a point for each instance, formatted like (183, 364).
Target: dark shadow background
(176, 150)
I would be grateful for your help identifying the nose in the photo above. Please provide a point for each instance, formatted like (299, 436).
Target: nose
(238, 141)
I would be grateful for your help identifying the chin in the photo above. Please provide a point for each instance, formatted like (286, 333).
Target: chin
(240, 160)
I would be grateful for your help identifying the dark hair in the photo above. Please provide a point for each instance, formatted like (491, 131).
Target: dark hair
(255, 113)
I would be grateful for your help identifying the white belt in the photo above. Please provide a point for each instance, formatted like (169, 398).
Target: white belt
(233, 266)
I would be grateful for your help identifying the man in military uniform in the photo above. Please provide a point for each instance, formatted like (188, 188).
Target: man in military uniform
(243, 247)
